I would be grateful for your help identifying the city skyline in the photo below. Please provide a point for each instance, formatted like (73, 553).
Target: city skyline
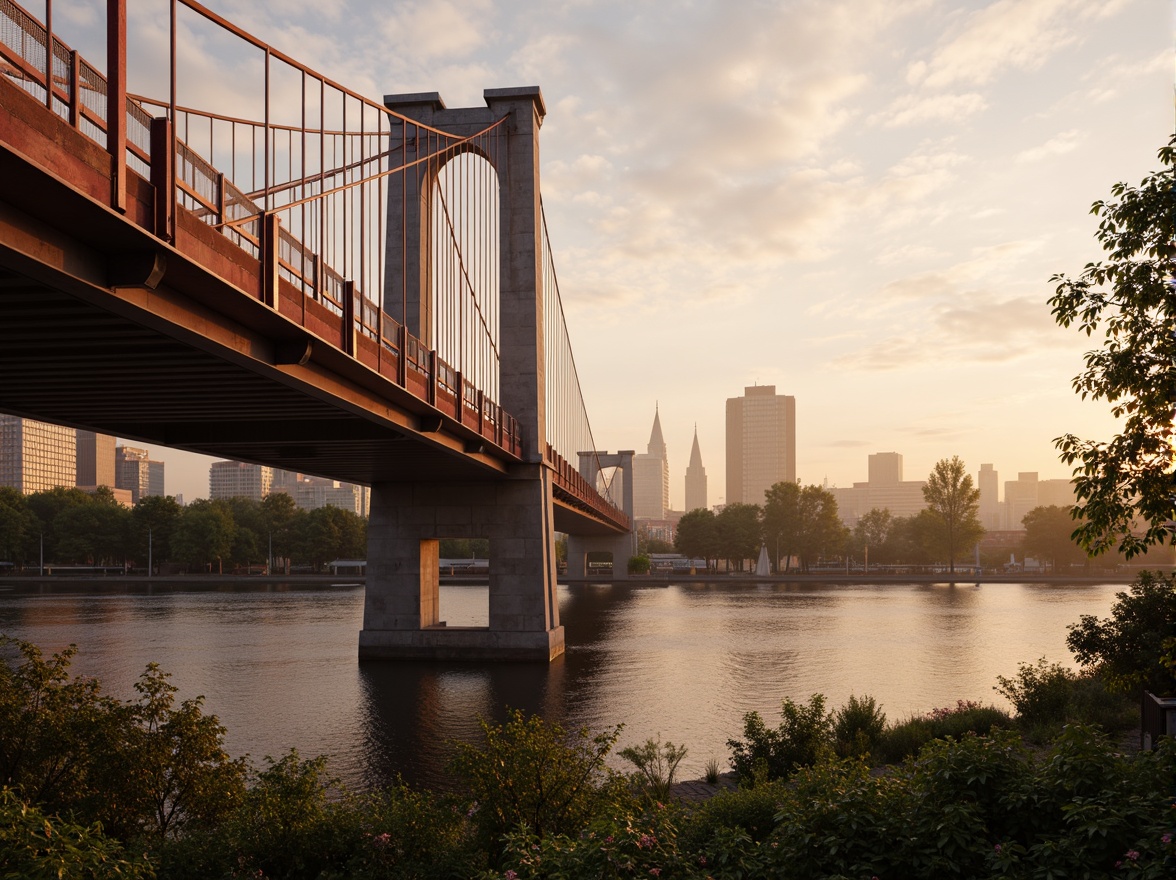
(859, 202)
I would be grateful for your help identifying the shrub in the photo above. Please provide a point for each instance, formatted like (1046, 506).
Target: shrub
(1047, 695)
(800, 740)
(904, 739)
(639, 565)
(749, 812)
(656, 764)
(858, 727)
(35, 846)
(532, 773)
(711, 771)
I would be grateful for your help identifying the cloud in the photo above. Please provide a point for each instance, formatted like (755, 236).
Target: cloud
(1060, 144)
(918, 109)
(848, 444)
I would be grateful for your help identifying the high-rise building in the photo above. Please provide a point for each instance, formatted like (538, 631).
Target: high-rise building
(884, 469)
(1020, 497)
(237, 479)
(95, 458)
(35, 456)
(761, 443)
(651, 477)
(695, 478)
(987, 481)
(134, 470)
(885, 490)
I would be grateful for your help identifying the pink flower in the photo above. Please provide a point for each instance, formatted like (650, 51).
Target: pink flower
(1132, 854)
(998, 849)
(1166, 839)
(646, 842)
(655, 871)
(510, 875)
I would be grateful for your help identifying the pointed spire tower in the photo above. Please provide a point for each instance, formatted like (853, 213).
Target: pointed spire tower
(651, 476)
(695, 478)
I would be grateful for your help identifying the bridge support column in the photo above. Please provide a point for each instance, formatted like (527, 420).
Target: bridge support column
(401, 608)
(620, 546)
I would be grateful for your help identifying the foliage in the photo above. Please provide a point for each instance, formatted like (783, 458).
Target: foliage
(712, 771)
(51, 726)
(907, 737)
(1129, 647)
(952, 500)
(1046, 696)
(153, 520)
(800, 740)
(1049, 535)
(19, 526)
(204, 534)
(872, 532)
(738, 527)
(638, 565)
(858, 727)
(37, 846)
(656, 764)
(802, 521)
(532, 773)
(1128, 297)
(697, 535)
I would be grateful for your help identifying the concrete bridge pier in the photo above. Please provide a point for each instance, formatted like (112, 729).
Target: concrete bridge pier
(402, 610)
(621, 546)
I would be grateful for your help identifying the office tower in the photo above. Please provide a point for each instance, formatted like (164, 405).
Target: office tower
(761, 443)
(989, 486)
(237, 479)
(1020, 497)
(95, 458)
(884, 469)
(134, 470)
(35, 456)
(695, 478)
(651, 477)
(1056, 492)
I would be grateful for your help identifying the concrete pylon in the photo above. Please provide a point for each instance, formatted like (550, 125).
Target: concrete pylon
(407, 519)
(620, 546)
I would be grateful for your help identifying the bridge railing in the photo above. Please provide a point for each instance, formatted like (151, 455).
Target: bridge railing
(328, 255)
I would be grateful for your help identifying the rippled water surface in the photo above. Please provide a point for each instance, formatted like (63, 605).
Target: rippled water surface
(278, 665)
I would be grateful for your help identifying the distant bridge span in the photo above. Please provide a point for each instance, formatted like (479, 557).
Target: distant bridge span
(143, 294)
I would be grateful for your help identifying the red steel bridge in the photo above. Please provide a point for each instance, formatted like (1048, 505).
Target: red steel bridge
(232, 254)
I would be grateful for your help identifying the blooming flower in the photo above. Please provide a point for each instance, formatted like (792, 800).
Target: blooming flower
(1132, 854)
(655, 871)
(1166, 839)
(510, 875)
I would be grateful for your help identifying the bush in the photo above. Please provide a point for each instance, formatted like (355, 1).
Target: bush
(639, 565)
(858, 727)
(34, 846)
(656, 764)
(904, 739)
(532, 773)
(800, 740)
(1046, 696)
(750, 812)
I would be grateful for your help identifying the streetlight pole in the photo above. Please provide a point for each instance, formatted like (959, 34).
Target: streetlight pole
(42, 573)
(149, 548)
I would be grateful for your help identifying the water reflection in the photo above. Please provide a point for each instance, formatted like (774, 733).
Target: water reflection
(685, 662)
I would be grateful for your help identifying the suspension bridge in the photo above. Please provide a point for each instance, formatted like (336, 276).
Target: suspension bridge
(273, 268)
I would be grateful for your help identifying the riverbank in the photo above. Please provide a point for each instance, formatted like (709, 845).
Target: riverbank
(652, 580)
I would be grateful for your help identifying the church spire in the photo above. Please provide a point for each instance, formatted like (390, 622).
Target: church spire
(657, 443)
(695, 478)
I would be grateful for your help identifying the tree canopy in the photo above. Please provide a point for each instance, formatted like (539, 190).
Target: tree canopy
(1049, 535)
(952, 501)
(1125, 486)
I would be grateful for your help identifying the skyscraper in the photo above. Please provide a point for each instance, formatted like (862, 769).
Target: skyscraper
(761, 443)
(989, 485)
(35, 456)
(134, 470)
(238, 479)
(95, 458)
(695, 478)
(651, 477)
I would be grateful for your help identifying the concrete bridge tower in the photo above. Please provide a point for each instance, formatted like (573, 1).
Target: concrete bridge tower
(401, 612)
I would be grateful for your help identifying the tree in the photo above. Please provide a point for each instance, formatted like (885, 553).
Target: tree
(153, 522)
(1048, 535)
(1126, 484)
(204, 533)
(952, 498)
(18, 526)
(1133, 648)
(739, 532)
(697, 535)
(802, 521)
(872, 530)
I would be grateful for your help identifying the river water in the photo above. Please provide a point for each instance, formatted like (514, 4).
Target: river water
(684, 661)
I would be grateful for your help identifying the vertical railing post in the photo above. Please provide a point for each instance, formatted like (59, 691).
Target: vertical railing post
(49, 55)
(75, 93)
(481, 413)
(349, 317)
(402, 362)
(163, 177)
(270, 235)
(220, 198)
(116, 101)
(431, 392)
(459, 397)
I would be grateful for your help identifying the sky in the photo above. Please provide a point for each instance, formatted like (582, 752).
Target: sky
(860, 202)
